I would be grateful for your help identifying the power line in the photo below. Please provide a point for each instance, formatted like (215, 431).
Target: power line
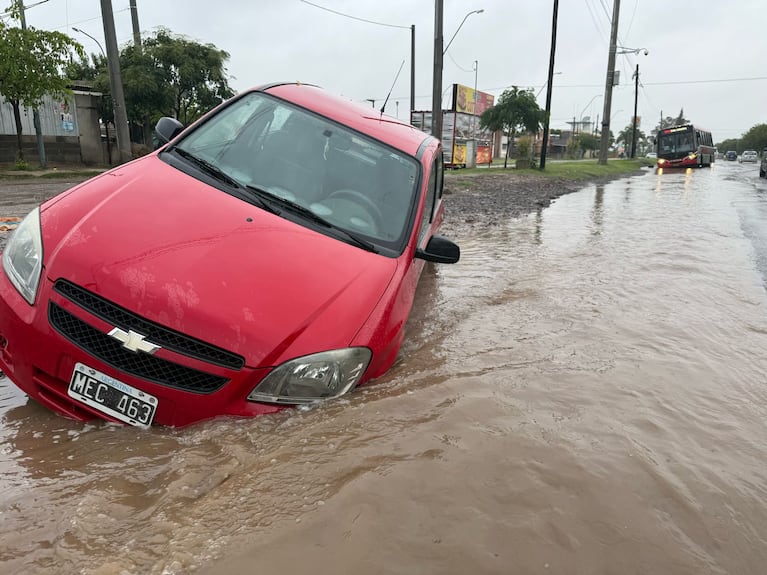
(461, 68)
(353, 17)
(706, 81)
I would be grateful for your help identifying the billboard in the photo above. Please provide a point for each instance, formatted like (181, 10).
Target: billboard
(458, 128)
(463, 100)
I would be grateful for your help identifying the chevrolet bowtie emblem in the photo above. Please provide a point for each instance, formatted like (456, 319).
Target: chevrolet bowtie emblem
(133, 341)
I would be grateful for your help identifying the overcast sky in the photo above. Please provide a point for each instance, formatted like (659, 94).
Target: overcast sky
(707, 57)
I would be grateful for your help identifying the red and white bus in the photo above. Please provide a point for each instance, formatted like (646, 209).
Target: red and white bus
(685, 146)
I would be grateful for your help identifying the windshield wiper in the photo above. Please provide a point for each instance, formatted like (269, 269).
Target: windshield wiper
(214, 171)
(310, 215)
(220, 175)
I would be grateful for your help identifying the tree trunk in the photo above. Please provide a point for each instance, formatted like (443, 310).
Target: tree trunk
(148, 132)
(17, 119)
(508, 146)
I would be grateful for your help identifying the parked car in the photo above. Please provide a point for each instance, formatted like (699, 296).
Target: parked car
(265, 256)
(652, 155)
(749, 156)
(731, 155)
(763, 165)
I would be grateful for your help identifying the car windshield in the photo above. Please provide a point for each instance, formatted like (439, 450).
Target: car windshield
(353, 182)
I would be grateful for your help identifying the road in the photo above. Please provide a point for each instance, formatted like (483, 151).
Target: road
(583, 393)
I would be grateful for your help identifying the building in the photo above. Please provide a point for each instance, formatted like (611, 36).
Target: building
(70, 126)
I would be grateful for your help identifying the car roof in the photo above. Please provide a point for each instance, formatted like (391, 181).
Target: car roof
(361, 118)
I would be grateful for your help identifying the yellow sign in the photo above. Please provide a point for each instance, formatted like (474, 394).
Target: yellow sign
(464, 99)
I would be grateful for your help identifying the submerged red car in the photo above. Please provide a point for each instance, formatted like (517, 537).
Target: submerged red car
(265, 256)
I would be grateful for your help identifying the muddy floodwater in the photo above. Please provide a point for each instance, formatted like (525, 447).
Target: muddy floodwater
(584, 393)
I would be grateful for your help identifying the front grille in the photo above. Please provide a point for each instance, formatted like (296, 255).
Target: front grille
(110, 351)
(154, 332)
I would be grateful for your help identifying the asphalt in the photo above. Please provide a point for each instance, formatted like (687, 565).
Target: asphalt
(19, 195)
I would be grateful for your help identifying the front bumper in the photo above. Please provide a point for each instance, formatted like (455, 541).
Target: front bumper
(40, 361)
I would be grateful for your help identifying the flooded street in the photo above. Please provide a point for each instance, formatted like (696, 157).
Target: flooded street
(584, 393)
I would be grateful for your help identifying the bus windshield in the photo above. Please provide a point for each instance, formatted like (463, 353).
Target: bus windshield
(676, 143)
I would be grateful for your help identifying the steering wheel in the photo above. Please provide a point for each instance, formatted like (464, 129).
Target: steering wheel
(362, 201)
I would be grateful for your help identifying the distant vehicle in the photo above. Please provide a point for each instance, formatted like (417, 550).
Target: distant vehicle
(651, 155)
(749, 156)
(731, 155)
(763, 165)
(685, 146)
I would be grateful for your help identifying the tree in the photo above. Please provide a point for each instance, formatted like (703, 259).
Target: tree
(193, 72)
(626, 134)
(516, 110)
(669, 121)
(587, 142)
(148, 92)
(168, 75)
(31, 67)
(755, 138)
(730, 144)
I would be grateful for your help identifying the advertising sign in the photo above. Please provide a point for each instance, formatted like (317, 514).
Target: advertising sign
(463, 100)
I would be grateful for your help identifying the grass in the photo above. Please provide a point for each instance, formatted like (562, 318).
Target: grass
(572, 170)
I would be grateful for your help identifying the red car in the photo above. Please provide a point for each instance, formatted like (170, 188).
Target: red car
(265, 256)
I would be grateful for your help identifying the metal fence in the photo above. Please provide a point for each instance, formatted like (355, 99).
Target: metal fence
(58, 117)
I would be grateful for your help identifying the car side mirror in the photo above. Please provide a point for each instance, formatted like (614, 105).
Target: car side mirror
(439, 250)
(167, 129)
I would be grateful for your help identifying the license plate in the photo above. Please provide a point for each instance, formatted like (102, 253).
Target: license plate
(111, 396)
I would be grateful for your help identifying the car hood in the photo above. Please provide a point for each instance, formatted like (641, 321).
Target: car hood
(179, 252)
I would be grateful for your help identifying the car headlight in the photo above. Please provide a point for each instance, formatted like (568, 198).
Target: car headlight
(23, 256)
(313, 377)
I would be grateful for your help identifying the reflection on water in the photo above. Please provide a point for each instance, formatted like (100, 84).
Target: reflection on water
(582, 393)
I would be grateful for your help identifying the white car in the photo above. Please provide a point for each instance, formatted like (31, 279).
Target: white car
(749, 156)
(652, 155)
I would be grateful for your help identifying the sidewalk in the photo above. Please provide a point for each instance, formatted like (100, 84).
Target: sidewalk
(54, 172)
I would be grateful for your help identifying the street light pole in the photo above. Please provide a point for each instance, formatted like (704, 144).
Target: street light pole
(439, 52)
(474, 117)
(459, 27)
(412, 70)
(106, 123)
(103, 53)
(634, 127)
(580, 118)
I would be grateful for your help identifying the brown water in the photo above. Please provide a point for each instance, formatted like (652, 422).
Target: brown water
(583, 393)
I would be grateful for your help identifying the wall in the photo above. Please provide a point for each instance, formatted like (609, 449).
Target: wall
(70, 127)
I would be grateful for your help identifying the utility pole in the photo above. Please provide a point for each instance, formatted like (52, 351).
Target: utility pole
(436, 94)
(412, 71)
(634, 128)
(35, 111)
(115, 83)
(545, 145)
(134, 20)
(609, 86)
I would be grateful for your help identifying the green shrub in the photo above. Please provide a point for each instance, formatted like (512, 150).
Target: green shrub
(524, 145)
